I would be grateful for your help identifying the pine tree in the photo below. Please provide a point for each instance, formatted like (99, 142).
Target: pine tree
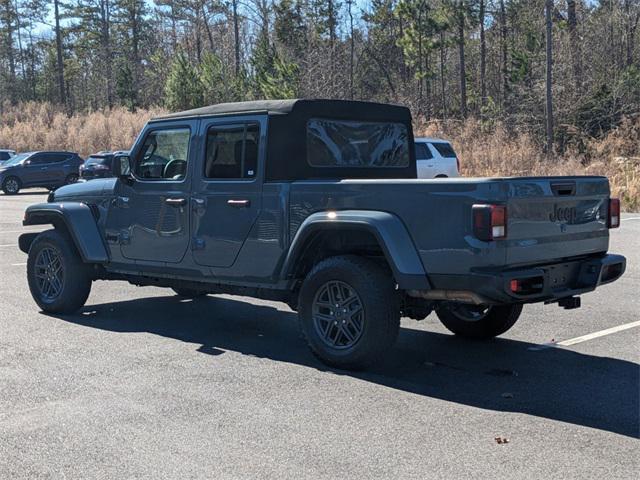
(183, 89)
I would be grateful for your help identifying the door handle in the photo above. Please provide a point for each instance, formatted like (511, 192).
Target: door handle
(238, 203)
(176, 202)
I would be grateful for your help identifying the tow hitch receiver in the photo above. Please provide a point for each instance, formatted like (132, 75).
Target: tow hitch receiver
(569, 303)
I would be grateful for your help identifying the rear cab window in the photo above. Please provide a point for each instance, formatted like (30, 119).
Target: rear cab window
(354, 144)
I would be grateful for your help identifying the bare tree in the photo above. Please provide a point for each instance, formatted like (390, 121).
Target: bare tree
(576, 46)
(549, 79)
(59, 59)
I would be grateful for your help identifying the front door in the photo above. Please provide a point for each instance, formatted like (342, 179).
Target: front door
(37, 170)
(150, 216)
(228, 196)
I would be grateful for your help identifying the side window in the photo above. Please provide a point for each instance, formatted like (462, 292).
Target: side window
(38, 159)
(58, 157)
(445, 149)
(164, 155)
(423, 152)
(232, 151)
(4, 156)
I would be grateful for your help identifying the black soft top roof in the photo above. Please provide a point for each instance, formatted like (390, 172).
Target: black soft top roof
(301, 106)
(287, 133)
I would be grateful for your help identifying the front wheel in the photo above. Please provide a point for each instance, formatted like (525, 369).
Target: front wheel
(349, 311)
(473, 321)
(11, 186)
(58, 279)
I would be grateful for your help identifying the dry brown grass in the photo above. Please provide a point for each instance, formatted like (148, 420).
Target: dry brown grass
(42, 126)
(496, 153)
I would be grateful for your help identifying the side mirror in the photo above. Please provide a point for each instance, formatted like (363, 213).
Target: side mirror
(122, 167)
(27, 163)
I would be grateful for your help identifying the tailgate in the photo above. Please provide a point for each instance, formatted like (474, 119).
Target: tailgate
(551, 218)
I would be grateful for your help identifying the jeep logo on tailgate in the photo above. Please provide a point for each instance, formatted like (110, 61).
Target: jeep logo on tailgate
(563, 214)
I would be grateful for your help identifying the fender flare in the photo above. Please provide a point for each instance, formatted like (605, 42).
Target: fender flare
(389, 231)
(79, 222)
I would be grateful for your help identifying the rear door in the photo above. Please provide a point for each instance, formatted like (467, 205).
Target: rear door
(555, 218)
(425, 160)
(60, 165)
(228, 195)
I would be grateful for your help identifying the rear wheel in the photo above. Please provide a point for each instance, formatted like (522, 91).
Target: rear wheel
(58, 279)
(73, 178)
(11, 185)
(473, 321)
(349, 311)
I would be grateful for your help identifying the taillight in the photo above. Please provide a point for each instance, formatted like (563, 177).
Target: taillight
(458, 164)
(490, 222)
(614, 213)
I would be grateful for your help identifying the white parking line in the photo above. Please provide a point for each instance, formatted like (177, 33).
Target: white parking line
(11, 245)
(18, 264)
(584, 338)
(632, 218)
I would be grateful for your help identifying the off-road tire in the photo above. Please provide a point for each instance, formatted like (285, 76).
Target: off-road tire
(496, 321)
(188, 292)
(76, 284)
(380, 305)
(7, 185)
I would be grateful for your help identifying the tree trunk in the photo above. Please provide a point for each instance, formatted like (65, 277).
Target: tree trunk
(105, 31)
(442, 79)
(236, 37)
(463, 71)
(60, 64)
(505, 59)
(8, 21)
(351, 49)
(483, 58)
(576, 46)
(549, 62)
(135, 47)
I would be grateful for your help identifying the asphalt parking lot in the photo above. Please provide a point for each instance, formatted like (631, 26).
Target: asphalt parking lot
(142, 384)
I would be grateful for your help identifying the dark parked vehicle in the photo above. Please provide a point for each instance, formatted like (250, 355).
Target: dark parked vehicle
(39, 169)
(6, 155)
(98, 165)
(316, 203)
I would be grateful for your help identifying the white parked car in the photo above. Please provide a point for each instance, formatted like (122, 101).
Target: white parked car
(6, 155)
(436, 158)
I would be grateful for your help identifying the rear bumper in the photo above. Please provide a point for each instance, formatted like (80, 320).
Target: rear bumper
(543, 283)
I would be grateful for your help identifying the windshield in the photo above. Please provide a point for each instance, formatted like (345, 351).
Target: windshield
(16, 160)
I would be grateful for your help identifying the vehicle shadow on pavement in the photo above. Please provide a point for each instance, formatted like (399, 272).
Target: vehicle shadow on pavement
(501, 374)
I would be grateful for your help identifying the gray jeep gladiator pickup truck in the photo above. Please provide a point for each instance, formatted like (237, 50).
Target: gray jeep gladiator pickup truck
(316, 203)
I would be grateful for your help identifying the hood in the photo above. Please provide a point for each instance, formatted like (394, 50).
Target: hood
(92, 188)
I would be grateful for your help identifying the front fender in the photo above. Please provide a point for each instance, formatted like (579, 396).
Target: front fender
(79, 222)
(388, 229)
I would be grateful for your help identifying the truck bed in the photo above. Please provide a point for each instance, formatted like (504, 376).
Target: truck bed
(548, 218)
